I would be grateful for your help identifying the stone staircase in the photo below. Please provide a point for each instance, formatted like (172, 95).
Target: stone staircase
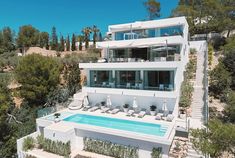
(193, 153)
(198, 103)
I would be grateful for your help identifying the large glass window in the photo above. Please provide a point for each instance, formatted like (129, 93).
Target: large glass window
(100, 78)
(165, 53)
(151, 33)
(127, 79)
(159, 80)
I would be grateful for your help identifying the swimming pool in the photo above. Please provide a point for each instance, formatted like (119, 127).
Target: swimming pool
(120, 124)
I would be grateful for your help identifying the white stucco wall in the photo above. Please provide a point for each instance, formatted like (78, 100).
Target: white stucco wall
(145, 148)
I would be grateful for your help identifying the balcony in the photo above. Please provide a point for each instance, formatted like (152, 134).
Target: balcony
(148, 33)
(121, 79)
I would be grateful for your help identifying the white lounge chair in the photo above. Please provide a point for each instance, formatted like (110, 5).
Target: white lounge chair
(170, 117)
(75, 105)
(130, 113)
(142, 113)
(114, 111)
(94, 108)
(105, 110)
(86, 108)
(159, 116)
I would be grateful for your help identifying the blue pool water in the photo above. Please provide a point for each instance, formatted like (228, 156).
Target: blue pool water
(120, 124)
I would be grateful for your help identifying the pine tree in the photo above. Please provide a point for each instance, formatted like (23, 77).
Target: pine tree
(80, 39)
(73, 47)
(54, 39)
(68, 44)
(62, 44)
(100, 37)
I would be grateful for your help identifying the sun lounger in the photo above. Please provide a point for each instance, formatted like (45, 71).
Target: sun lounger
(141, 113)
(75, 105)
(105, 110)
(130, 113)
(86, 108)
(94, 108)
(114, 111)
(159, 116)
(170, 117)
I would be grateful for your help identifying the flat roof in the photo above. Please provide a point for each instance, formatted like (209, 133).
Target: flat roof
(149, 24)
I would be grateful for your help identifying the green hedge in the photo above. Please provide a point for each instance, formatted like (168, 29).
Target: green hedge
(186, 86)
(109, 148)
(156, 153)
(28, 143)
(56, 147)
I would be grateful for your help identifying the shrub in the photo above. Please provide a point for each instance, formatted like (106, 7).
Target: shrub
(109, 148)
(156, 152)
(210, 54)
(56, 147)
(28, 143)
(153, 108)
(193, 51)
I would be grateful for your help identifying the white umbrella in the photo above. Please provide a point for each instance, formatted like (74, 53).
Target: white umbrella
(164, 107)
(108, 101)
(85, 101)
(135, 105)
(163, 48)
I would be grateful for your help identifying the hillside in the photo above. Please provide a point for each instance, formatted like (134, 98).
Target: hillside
(53, 53)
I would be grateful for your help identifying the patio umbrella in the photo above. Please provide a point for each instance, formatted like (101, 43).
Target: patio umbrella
(164, 107)
(164, 48)
(108, 101)
(85, 101)
(135, 105)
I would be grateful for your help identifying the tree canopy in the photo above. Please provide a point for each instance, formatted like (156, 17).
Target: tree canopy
(27, 36)
(38, 76)
(220, 138)
(153, 8)
(206, 16)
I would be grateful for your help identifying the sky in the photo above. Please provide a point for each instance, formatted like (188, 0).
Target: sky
(70, 16)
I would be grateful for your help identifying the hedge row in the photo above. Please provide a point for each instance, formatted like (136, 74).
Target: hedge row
(109, 148)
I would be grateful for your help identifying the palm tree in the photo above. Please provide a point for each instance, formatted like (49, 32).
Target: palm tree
(80, 39)
(86, 31)
(95, 31)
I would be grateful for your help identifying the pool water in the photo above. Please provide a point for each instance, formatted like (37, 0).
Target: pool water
(120, 124)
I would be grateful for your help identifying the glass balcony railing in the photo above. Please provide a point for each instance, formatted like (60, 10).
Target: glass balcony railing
(152, 80)
(149, 33)
(134, 86)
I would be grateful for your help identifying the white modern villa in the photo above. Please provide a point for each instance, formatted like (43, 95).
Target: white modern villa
(142, 65)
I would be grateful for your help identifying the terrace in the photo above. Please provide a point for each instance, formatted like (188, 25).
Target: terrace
(131, 79)
(150, 54)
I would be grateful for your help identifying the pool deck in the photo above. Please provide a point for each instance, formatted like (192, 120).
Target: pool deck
(63, 126)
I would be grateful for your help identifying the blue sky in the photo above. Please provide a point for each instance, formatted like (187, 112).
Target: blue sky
(70, 16)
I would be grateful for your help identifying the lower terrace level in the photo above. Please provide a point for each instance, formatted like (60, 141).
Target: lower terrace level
(133, 79)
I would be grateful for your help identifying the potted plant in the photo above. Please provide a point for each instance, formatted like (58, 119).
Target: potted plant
(102, 104)
(153, 110)
(125, 107)
(57, 115)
